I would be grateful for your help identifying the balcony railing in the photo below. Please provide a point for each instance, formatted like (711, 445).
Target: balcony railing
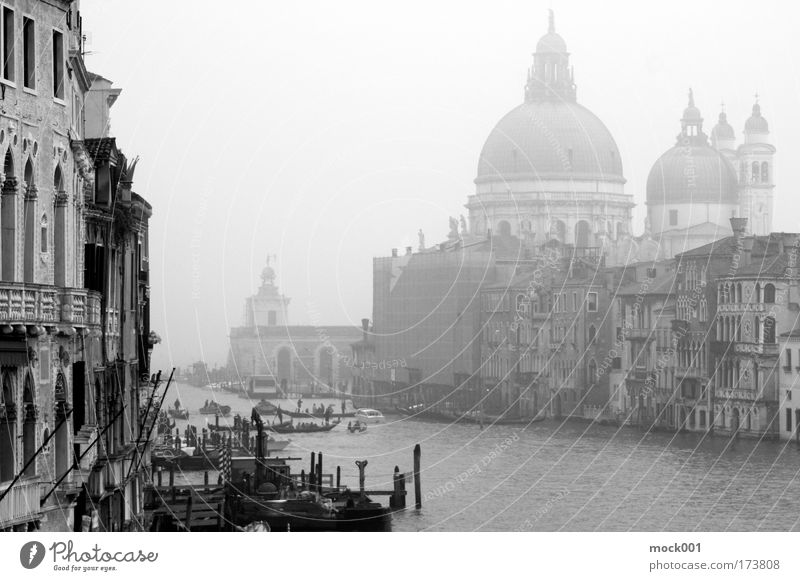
(689, 373)
(21, 504)
(34, 304)
(768, 349)
(646, 334)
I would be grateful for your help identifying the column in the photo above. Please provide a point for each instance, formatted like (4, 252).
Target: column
(60, 240)
(29, 263)
(8, 226)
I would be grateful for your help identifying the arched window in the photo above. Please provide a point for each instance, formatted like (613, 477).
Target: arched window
(764, 172)
(592, 333)
(758, 293)
(739, 292)
(28, 173)
(504, 228)
(29, 426)
(8, 431)
(769, 330)
(44, 246)
(756, 173)
(769, 293)
(757, 327)
(592, 372)
(58, 179)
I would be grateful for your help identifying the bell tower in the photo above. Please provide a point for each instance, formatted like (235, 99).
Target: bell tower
(756, 173)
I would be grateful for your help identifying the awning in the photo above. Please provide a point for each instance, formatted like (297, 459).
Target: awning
(13, 352)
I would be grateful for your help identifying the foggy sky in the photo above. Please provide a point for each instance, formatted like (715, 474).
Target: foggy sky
(330, 132)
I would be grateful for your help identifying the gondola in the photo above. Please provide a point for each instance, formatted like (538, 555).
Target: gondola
(290, 428)
(178, 414)
(317, 416)
(266, 408)
(215, 409)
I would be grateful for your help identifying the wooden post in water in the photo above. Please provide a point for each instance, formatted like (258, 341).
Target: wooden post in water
(417, 483)
(402, 485)
(319, 471)
(362, 464)
(312, 480)
(303, 478)
(205, 480)
(159, 478)
(188, 521)
(171, 475)
(394, 499)
(216, 420)
(338, 477)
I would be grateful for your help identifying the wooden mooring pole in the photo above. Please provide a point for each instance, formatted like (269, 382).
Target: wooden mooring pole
(417, 483)
(338, 477)
(362, 464)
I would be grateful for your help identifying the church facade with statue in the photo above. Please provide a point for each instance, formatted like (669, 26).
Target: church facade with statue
(301, 359)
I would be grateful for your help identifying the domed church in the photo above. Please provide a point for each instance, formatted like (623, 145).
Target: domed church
(550, 169)
(697, 186)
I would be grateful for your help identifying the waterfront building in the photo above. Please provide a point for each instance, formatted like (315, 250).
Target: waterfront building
(74, 325)
(789, 385)
(301, 359)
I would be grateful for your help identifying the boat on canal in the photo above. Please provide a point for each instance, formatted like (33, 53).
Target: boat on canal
(215, 409)
(301, 428)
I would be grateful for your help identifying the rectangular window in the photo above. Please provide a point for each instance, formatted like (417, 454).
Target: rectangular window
(28, 53)
(788, 360)
(58, 65)
(8, 44)
(673, 217)
(574, 302)
(591, 302)
(788, 419)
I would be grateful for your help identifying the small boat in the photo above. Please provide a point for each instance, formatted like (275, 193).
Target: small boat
(290, 428)
(266, 408)
(357, 427)
(214, 408)
(178, 414)
(369, 416)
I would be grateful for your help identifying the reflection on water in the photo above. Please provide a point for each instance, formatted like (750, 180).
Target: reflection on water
(552, 476)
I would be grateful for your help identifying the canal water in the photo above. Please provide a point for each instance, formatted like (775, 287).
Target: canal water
(553, 476)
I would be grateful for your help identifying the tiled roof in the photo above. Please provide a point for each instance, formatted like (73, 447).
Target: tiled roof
(102, 149)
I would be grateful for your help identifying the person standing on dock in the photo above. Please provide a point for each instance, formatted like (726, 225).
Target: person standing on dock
(280, 415)
(328, 412)
(299, 404)
(344, 406)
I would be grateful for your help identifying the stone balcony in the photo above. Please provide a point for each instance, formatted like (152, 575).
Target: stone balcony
(21, 504)
(35, 307)
(765, 349)
(639, 334)
(689, 373)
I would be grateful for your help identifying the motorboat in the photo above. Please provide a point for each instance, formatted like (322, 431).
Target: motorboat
(369, 416)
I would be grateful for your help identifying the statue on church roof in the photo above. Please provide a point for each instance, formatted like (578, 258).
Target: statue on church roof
(421, 236)
(463, 226)
(453, 235)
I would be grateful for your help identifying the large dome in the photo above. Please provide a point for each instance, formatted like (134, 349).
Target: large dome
(550, 140)
(697, 173)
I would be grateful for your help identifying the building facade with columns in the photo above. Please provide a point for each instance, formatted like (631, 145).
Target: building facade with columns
(300, 358)
(74, 328)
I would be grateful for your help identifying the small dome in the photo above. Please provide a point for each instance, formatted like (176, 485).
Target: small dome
(550, 140)
(756, 123)
(550, 43)
(723, 131)
(694, 174)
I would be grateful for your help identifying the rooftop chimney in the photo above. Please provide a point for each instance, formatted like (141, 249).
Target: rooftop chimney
(394, 252)
(408, 250)
(365, 327)
(739, 226)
